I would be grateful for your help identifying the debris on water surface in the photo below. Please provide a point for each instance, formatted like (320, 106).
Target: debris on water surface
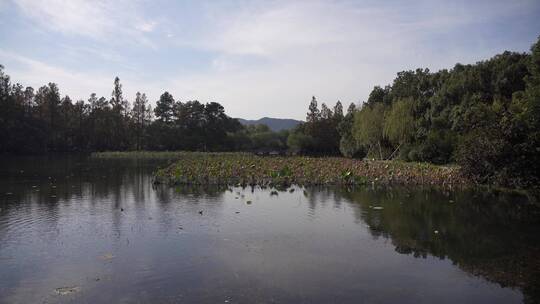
(248, 202)
(377, 208)
(291, 190)
(436, 231)
(63, 291)
(107, 257)
(201, 212)
(237, 212)
(274, 192)
(9, 193)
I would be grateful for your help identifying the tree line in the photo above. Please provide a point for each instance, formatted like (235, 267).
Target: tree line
(483, 116)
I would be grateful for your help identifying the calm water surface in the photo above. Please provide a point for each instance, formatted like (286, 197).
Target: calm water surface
(96, 231)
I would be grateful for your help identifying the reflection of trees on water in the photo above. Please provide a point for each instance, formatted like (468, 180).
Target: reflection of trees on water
(495, 236)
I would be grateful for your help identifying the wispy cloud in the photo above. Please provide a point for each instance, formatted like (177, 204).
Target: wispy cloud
(146, 27)
(121, 21)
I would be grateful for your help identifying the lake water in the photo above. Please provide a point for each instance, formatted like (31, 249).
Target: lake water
(74, 230)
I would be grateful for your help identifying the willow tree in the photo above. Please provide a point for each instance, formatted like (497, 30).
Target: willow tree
(368, 127)
(399, 123)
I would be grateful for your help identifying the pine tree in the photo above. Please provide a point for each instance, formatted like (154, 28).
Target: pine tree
(164, 107)
(313, 115)
(117, 100)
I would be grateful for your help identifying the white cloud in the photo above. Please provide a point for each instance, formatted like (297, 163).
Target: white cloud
(334, 50)
(74, 17)
(146, 27)
(121, 21)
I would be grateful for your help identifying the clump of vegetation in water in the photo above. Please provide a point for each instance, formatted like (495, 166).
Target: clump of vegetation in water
(250, 169)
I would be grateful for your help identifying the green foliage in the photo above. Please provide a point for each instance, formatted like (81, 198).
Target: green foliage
(485, 116)
(348, 146)
(299, 142)
(164, 107)
(399, 125)
(319, 134)
(505, 148)
(260, 139)
(369, 125)
(46, 122)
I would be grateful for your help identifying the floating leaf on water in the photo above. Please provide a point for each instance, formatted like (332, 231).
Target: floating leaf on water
(107, 256)
(67, 290)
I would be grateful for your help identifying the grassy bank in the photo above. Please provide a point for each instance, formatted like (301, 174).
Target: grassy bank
(249, 169)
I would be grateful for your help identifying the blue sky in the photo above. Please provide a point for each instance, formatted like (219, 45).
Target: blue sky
(257, 58)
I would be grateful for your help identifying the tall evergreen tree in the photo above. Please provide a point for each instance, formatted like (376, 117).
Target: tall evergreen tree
(140, 117)
(313, 114)
(164, 107)
(117, 99)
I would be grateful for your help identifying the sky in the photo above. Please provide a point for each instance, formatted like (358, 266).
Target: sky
(256, 58)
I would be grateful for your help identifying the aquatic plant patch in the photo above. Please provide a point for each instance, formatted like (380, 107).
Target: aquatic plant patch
(250, 169)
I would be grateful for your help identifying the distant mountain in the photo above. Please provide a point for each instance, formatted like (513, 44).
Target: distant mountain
(275, 124)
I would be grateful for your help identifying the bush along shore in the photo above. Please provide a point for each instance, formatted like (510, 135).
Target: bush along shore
(250, 169)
